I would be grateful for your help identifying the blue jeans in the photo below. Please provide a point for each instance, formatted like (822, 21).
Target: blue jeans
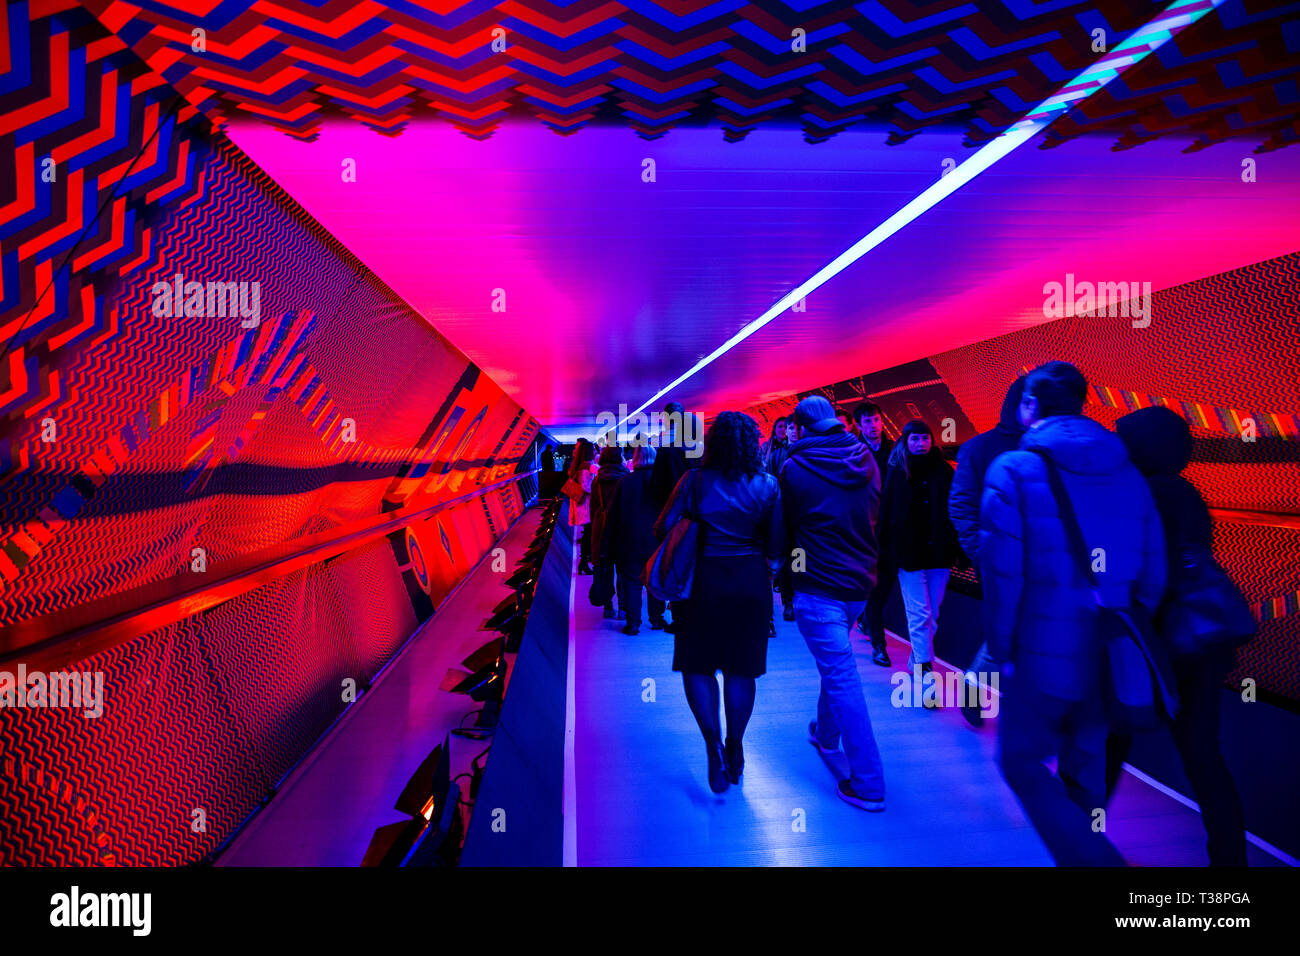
(841, 707)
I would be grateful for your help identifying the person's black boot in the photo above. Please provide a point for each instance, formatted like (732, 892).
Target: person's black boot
(970, 707)
(788, 614)
(717, 768)
(879, 654)
(928, 680)
(735, 760)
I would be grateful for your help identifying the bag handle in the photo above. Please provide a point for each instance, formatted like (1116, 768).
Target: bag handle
(692, 510)
(1073, 533)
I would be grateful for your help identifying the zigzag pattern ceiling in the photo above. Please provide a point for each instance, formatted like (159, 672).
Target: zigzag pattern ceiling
(654, 64)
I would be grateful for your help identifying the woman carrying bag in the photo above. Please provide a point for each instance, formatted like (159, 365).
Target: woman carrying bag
(723, 625)
(1201, 622)
(577, 488)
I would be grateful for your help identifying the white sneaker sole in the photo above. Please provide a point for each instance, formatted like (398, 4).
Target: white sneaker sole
(871, 806)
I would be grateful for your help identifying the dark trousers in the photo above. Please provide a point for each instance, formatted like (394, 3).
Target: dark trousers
(629, 598)
(872, 620)
(785, 582)
(584, 546)
(1034, 727)
(1196, 734)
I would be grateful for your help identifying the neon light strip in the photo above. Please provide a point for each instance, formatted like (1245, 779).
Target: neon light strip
(1135, 48)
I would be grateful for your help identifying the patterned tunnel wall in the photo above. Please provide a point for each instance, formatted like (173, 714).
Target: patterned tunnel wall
(130, 440)
(1222, 351)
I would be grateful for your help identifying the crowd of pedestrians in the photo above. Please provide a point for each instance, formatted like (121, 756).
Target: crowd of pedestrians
(832, 512)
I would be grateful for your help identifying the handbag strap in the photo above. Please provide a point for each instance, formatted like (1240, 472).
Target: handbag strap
(1070, 521)
(693, 498)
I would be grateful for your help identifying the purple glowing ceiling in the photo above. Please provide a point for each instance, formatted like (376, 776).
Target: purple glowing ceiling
(587, 271)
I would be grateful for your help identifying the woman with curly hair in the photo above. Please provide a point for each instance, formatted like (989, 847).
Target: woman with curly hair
(724, 625)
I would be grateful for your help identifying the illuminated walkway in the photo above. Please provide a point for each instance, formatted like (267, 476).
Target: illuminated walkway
(642, 796)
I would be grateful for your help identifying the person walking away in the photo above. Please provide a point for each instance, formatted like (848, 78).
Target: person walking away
(964, 511)
(830, 494)
(918, 536)
(582, 471)
(627, 540)
(775, 452)
(674, 458)
(610, 472)
(1041, 613)
(871, 429)
(673, 461)
(723, 626)
(1159, 443)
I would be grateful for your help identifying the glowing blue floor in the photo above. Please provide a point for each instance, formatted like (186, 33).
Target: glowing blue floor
(642, 796)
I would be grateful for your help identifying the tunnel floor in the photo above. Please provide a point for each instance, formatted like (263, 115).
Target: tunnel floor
(642, 795)
(637, 793)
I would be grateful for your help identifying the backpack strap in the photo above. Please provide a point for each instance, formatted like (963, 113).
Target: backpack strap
(1070, 521)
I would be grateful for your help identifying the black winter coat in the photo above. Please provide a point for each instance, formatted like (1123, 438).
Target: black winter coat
(628, 539)
(973, 463)
(602, 493)
(914, 524)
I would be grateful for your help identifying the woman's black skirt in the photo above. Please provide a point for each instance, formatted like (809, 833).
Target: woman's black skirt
(724, 626)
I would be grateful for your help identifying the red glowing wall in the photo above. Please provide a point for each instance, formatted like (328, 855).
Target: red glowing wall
(132, 440)
(1222, 352)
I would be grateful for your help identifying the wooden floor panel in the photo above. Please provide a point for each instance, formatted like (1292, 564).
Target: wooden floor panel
(643, 799)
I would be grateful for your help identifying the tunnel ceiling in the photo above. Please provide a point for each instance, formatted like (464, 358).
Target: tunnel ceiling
(658, 64)
(712, 167)
(578, 285)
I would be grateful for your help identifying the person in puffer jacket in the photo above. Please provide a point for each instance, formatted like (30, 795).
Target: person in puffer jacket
(1040, 611)
(1160, 443)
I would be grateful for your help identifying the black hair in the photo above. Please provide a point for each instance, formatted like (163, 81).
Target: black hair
(1059, 389)
(731, 446)
(900, 457)
(863, 409)
(583, 454)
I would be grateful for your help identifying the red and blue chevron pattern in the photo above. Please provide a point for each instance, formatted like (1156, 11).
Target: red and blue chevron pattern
(175, 433)
(1217, 350)
(976, 65)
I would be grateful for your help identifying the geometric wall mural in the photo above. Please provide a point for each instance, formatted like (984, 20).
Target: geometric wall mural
(1218, 352)
(196, 375)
